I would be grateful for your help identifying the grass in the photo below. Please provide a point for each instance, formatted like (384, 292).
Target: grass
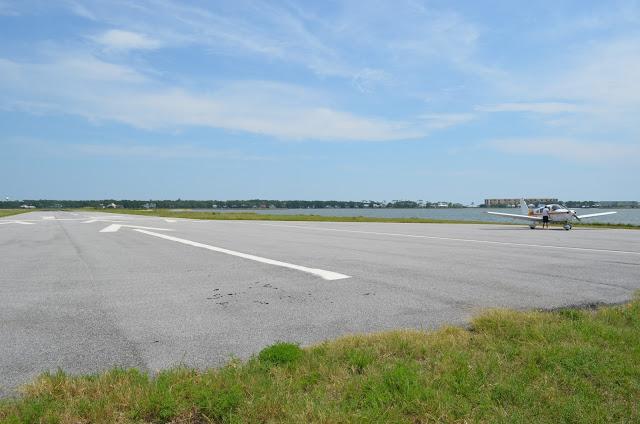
(9, 212)
(252, 216)
(567, 366)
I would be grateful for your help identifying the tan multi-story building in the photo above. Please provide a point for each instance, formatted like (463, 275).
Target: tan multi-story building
(493, 203)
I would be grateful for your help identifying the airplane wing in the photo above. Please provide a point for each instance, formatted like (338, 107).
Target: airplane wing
(591, 215)
(516, 216)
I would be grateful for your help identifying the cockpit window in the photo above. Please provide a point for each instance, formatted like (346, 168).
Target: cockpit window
(555, 207)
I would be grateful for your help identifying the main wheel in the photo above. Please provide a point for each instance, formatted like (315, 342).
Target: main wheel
(567, 227)
(532, 226)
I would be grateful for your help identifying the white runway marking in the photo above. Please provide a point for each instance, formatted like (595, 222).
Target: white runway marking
(16, 222)
(48, 217)
(504, 243)
(327, 275)
(115, 227)
(170, 220)
(91, 221)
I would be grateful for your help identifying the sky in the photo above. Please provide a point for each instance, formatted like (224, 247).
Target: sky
(330, 100)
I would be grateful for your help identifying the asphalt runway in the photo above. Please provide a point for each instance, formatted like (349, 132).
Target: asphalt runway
(89, 291)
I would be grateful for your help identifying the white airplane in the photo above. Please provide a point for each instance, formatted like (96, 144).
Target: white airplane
(557, 213)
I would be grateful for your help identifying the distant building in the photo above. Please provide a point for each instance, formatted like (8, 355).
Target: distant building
(443, 205)
(619, 204)
(27, 207)
(501, 203)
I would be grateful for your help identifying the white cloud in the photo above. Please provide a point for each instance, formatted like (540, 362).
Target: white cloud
(535, 107)
(569, 149)
(101, 91)
(120, 40)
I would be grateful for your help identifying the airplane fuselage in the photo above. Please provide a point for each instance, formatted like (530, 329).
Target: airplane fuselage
(557, 213)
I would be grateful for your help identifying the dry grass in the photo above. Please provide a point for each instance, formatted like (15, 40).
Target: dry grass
(562, 366)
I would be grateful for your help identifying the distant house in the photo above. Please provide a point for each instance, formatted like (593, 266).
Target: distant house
(27, 207)
(443, 205)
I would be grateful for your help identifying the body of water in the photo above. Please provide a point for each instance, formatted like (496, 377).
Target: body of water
(624, 216)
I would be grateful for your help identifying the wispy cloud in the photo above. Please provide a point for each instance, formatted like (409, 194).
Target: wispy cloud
(569, 149)
(120, 40)
(102, 91)
(596, 81)
(180, 151)
(445, 120)
(535, 107)
(132, 150)
(362, 42)
(8, 9)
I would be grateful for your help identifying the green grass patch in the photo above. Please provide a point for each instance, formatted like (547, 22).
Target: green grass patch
(10, 212)
(546, 367)
(252, 216)
(280, 354)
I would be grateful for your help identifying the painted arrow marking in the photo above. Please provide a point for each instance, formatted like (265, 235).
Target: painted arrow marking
(16, 222)
(115, 227)
(327, 275)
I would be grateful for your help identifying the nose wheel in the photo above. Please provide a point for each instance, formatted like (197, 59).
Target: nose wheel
(532, 226)
(567, 226)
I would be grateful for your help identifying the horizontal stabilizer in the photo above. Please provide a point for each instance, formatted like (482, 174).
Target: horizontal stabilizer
(516, 216)
(591, 215)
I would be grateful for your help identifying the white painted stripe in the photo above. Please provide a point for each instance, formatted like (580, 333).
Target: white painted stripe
(91, 221)
(55, 219)
(327, 275)
(170, 220)
(115, 227)
(504, 243)
(16, 222)
(48, 217)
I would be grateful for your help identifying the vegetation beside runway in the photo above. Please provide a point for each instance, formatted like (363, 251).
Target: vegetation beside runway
(252, 216)
(10, 212)
(573, 365)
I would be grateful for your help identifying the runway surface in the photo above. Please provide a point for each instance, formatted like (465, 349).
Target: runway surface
(89, 291)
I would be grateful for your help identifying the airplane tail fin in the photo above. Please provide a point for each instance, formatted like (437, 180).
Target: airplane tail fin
(524, 209)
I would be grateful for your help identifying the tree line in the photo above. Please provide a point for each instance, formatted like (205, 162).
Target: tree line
(220, 204)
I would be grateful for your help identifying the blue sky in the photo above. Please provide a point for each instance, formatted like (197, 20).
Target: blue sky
(434, 100)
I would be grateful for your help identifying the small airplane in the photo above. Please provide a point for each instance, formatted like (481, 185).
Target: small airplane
(557, 213)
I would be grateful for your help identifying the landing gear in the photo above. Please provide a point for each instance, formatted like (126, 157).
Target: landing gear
(567, 226)
(532, 226)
